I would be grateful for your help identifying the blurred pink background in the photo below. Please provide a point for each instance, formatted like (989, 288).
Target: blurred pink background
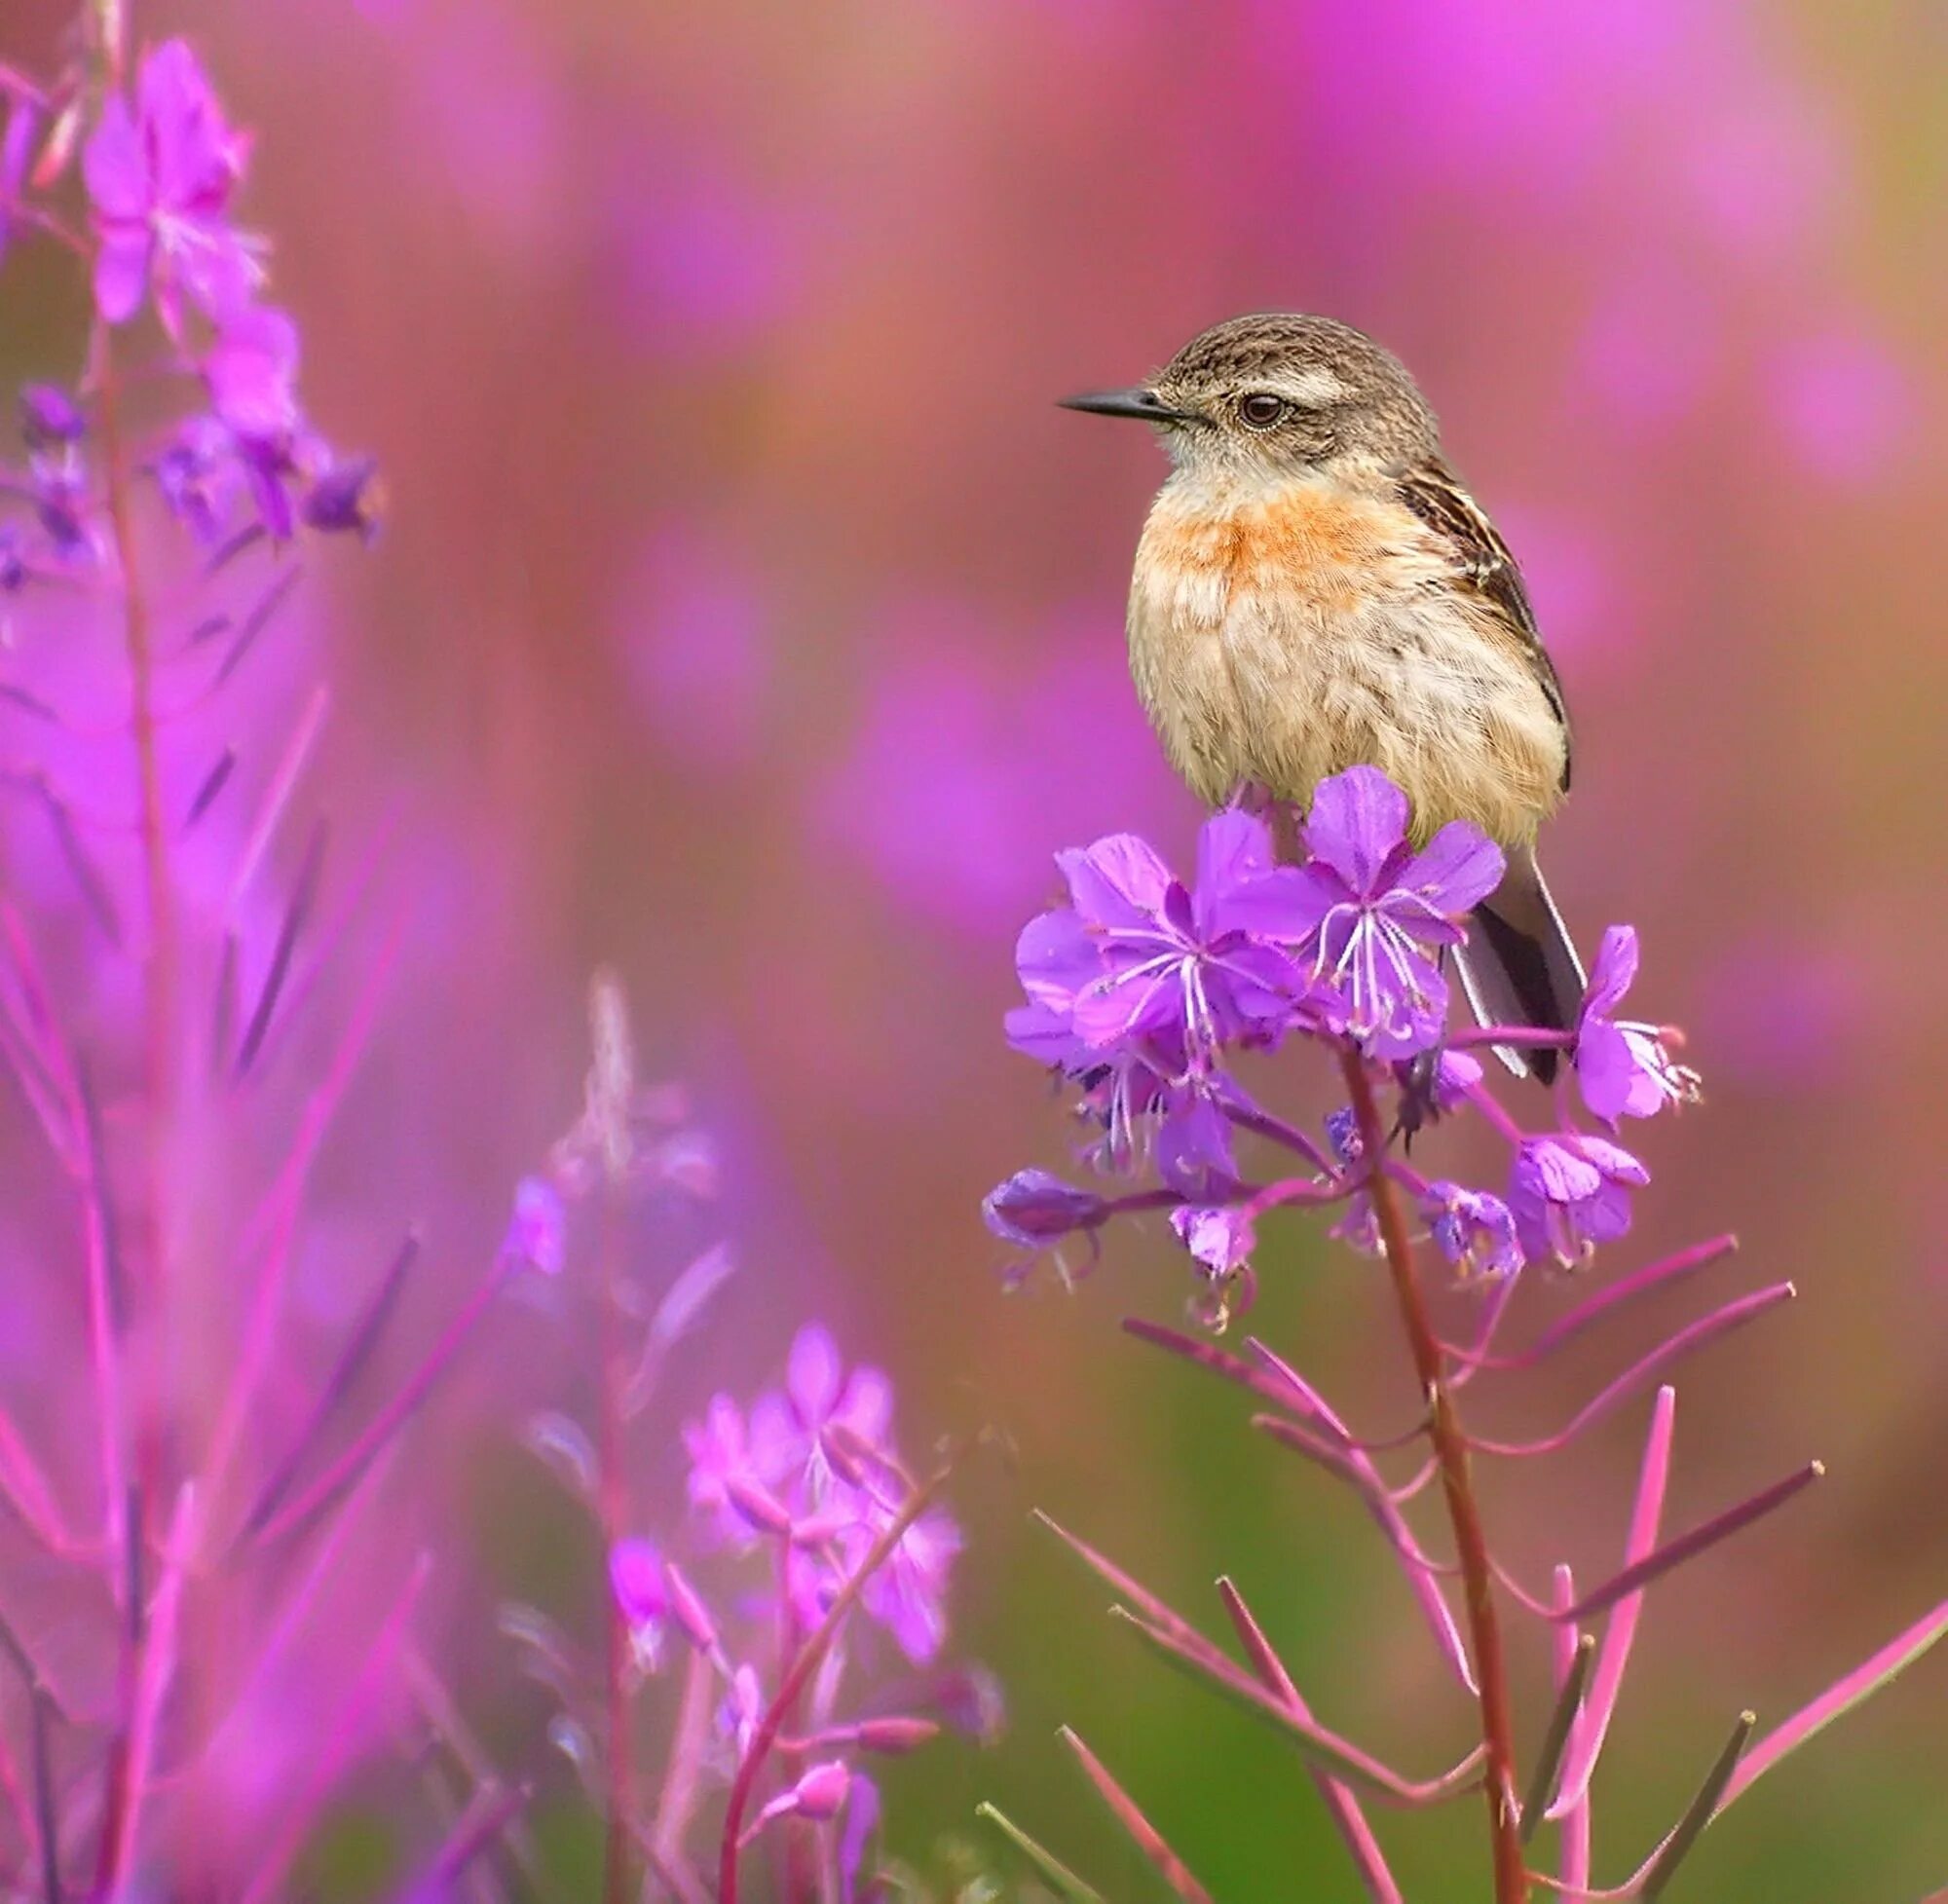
(749, 619)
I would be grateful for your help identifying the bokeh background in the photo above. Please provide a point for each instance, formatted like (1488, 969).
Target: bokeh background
(748, 619)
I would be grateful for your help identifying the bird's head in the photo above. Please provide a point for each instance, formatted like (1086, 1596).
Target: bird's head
(1278, 394)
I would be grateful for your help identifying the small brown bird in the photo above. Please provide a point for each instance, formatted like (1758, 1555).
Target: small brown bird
(1315, 589)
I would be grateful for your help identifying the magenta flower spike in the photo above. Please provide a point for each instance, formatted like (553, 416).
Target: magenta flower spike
(1369, 915)
(229, 1505)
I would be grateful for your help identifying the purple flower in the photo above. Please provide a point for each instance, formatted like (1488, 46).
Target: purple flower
(538, 1231)
(719, 1464)
(1034, 1210)
(641, 1588)
(791, 1433)
(199, 477)
(1372, 909)
(636, 1577)
(13, 569)
(1035, 1207)
(60, 498)
(252, 371)
(908, 1595)
(1570, 1192)
(1137, 956)
(1475, 1231)
(862, 1818)
(1194, 1152)
(347, 499)
(1622, 1066)
(160, 179)
(1221, 1236)
(48, 417)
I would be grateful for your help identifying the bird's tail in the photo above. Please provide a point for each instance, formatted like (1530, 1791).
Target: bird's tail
(1519, 967)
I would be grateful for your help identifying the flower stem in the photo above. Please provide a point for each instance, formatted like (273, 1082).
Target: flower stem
(159, 980)
(614, 1508)
(1450, 1450)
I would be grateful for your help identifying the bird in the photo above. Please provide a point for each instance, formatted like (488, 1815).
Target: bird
(1315, 589)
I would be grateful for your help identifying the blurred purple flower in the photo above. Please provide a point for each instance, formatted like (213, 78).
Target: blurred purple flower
(1570, 1192)
(908, 1595)
(962, 778)
(346, 499)
(48, 417)
(705, 260)
(161, 179)
(538, 1231)
(720, 1463)
(1845, 404)
(862, 1818)
(1622, 1066)
(790, 1431)
(251, 370)
(199, 477)
(641, 1588)
(1475, 1231)
(1371, 908)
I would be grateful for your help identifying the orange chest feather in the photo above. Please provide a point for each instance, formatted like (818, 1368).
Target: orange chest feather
(1305, 542)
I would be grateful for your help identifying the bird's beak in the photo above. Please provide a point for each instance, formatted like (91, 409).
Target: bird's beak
(1143, 404)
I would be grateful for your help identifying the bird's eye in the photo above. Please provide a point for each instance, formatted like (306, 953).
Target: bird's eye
(1261, 409)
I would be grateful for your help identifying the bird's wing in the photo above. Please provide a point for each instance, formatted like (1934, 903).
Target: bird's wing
(1441, 500)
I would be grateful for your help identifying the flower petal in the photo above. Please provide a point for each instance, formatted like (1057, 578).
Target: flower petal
(1054, 958)
(1233, 848)
(1606, 1074)
(1613, 973)
(121, 273)
(1356, 819)
(1118, 881)
(1456, 869)
(814, 1372)
(1284, 905)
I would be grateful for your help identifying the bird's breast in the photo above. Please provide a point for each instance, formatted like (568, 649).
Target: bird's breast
(1282, 637)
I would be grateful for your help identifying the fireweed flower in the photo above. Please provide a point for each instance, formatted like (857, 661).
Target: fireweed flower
(641, 1588)
(1475, 1231)
(1034, 1208)
(1622, 1068)
(1135, 999)
(1569, 1193)
(1372, 908)
(1136, 954)
(160, 177)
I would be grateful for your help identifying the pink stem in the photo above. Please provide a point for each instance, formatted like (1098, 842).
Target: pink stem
(1674, 1553)
(1342, 1804)
(1585, 1743)
(1603, 1303)
(349, 1466)
(1573, 1846)
(1640, 1374)
(1128, 1814)
(339, 1737)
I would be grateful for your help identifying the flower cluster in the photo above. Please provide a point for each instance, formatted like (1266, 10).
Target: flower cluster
(223, 1619)
(803, 1513)
(1145, 995)
(1145, 991)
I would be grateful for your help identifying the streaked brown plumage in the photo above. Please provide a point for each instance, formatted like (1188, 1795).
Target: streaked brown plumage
(1314, 590)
